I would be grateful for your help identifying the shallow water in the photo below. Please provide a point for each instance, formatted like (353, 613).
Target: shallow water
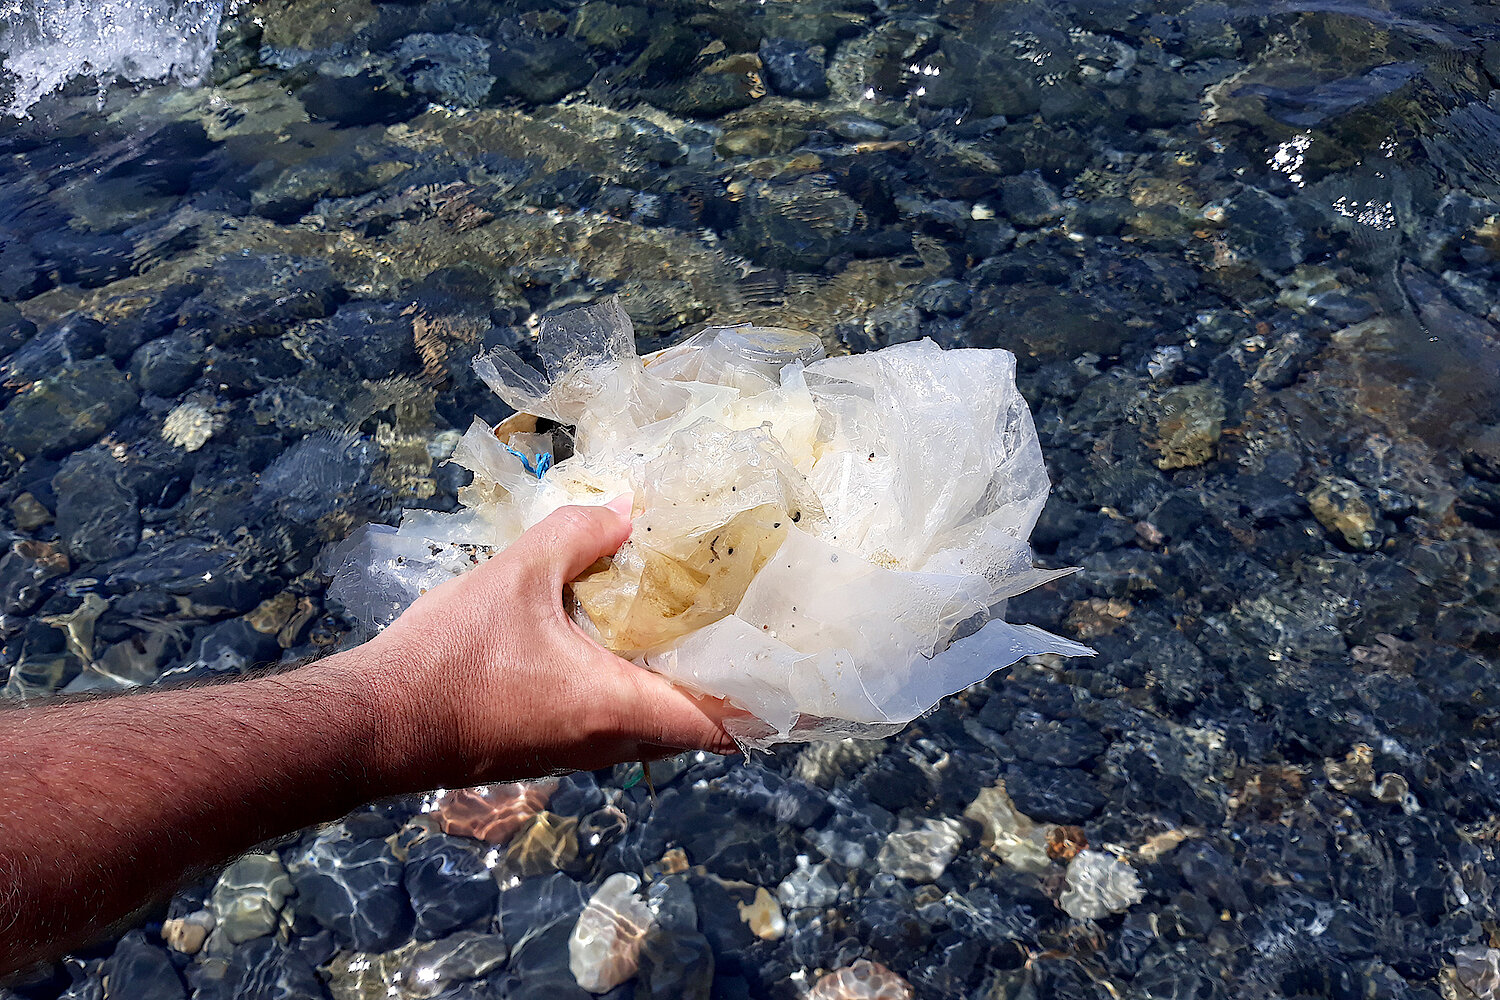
(1246, 254)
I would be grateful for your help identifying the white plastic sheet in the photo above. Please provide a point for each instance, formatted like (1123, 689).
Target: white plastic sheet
(810, 533)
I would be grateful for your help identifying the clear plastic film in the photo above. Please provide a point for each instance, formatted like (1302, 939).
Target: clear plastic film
(810, 534)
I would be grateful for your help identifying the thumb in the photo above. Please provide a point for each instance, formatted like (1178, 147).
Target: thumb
(655, 711)
(571, 539)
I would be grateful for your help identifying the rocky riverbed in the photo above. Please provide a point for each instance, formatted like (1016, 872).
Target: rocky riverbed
(1246, 254)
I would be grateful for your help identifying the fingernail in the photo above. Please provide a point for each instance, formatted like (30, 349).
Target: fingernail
(622, 504)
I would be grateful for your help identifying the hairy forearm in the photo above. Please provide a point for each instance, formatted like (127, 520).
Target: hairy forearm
(108, 804)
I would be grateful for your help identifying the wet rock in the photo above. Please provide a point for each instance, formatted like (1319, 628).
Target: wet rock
(793, 68)
(1030, 201)
(1261, 227)
(248, 897)
(863, 980)
(1020, 842)
(258, 295)
(537, 918)
(167, 366)
(375, 337)
(29, 513)
(798, 225)
(452, 68)
(66, 410)
(97, 517)
(547, 844)
(673, 965)
(1477, 970)
(432, 968)
(538, 69)
(605, 946)
(763, 916)
(1342, 507)
(1064, 743)
(1057, 794)
(187, 934)
(449, 884)
(366, 98)
(141, 971)
(1189, 420)
(1098, 885)
(612, 27)
(919, 853)
(811, 885)
(354, 888)
(727, 85)
(24, 572)
(264, 969)
(492, 813)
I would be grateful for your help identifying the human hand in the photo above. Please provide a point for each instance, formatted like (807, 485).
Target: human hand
(489, 679)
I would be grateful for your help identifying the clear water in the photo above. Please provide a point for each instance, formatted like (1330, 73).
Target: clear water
(1246, 254)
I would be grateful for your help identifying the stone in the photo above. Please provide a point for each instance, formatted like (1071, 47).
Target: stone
(450, 885)
(798, 225)
(141, 971)
(1098, 885)
(1189, 420)
(1029, 201)
(436, 966)
(1063, 743)
(547, 844)
(676, 965)
(96, 516)
(189, 425)
(1342, 507)
(1064, 842)
(244, 296)
(453, 68)
(67, 410)
(863, 980)
(354, 888)
(763, 916)
(920, 853)
(248, 897)
(492, 813)
(265, 969)
(808, 886)
(794, 69)
(537, 918)
(29, 513)
(1014, 836)
(1477, 971)
(538, 69)
(24, 572)
(187, 934)
(604, 948)
(168, 365)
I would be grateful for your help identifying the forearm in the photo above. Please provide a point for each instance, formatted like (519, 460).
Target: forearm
(105, 805)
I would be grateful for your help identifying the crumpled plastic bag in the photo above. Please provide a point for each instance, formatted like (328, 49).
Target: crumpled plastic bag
(828, 543)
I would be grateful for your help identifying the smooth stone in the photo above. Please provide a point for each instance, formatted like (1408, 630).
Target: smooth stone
(248, 897)
(353, 887)
(438, 965)
(449, 884)
(1097, 885)
(97, 516)
(794, 69)
(920, 853)
(141, 971)
(67, 410)
(168, 365)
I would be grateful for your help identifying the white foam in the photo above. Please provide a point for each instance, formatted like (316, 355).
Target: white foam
(49, 42)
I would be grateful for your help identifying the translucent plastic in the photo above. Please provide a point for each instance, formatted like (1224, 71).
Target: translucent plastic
(810, 533)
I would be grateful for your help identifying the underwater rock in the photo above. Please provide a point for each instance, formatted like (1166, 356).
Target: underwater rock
(1343, 507)
(798, 225)
(96, 516)
(492, 813)
(763, 916)
(547, 844)
(1097, 885)
(863, 980)
(677, 965)
(434, 967)
(24, 572)
(66, 410)
(1020, 842)
(168, 365)
(1029, 200)
(449, 884)
(1189, 420)
(537, 918)
(793, 68)
(919, 853)
(141, 971)
(1476, 972)
(538, 69)
(354, 888)
(248, 897)
(452, 67)
(187, 934)
(811, 885)
(604, 948)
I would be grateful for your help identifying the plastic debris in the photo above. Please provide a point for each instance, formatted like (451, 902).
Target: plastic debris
(810, 533)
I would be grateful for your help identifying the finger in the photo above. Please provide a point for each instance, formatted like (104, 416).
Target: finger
(652, 710)
(570, 540)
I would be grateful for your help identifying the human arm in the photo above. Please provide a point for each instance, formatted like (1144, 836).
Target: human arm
(107, 804)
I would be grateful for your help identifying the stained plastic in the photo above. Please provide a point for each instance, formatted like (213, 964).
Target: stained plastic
(810, 534)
